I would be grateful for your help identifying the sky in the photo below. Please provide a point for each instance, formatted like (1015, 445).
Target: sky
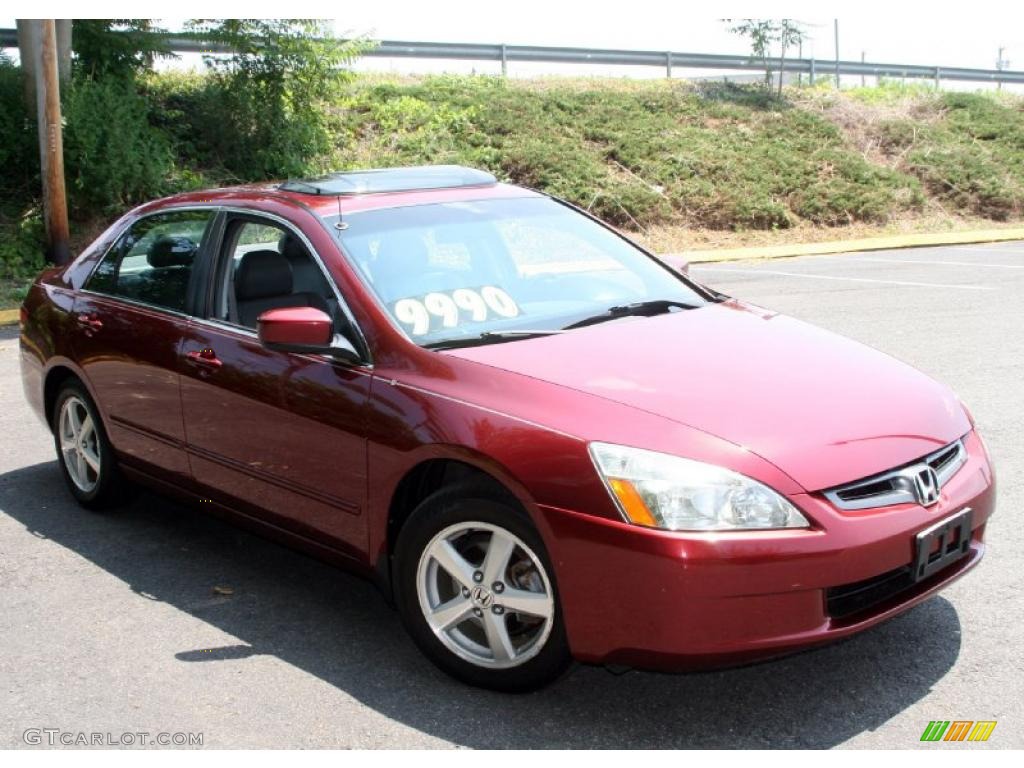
(936, 33)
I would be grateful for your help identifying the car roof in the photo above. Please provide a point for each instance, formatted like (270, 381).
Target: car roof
(361, 190)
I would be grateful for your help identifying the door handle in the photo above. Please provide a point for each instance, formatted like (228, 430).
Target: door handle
(89, 323)
(204, 358)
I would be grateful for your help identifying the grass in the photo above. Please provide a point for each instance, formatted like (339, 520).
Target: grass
(701, 166)
(636, 153)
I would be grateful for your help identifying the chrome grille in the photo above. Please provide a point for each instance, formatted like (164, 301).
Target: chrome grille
(900, 486)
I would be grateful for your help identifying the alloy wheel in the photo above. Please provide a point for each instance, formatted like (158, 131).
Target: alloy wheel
(485, 595)
(79, 444)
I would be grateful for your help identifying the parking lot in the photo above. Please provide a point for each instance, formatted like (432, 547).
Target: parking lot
(111, 623)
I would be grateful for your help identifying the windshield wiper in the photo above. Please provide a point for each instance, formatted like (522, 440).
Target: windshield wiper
(637, 309)
(488, 337)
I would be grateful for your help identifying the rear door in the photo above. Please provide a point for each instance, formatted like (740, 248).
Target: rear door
(130, 321)
(275, 434)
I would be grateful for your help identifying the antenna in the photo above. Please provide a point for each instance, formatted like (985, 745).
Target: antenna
(341, 226)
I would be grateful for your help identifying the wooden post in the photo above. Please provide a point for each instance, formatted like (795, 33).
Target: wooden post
(51, 142)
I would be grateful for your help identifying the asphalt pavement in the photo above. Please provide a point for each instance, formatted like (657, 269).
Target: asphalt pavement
(111, 624)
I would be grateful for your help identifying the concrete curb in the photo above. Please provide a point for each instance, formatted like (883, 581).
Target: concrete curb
(9, 316)
(848, 246)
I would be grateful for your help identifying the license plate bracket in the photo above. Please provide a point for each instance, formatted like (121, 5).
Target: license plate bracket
(942, 544)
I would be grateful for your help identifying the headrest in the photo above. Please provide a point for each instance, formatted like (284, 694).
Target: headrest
(261, 274)
(291, 247)
(170, 251)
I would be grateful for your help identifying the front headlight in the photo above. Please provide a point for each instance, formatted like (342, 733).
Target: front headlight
(663, 491)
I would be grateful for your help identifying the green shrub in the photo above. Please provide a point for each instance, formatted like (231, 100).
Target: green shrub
(113, 157)
(19, 156)
(21, 247)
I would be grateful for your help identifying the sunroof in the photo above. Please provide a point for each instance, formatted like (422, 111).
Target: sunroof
(391, 180)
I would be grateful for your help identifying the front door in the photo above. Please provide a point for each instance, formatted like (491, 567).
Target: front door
(275, 434)
(130, 321)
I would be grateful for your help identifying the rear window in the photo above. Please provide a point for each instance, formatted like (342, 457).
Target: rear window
(152, 262)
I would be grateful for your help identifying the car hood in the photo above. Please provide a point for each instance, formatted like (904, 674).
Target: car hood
(822, 408)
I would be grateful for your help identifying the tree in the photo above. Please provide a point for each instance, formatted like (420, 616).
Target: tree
(116, 48)
(276, 84)
(762, 33)
(789, 34)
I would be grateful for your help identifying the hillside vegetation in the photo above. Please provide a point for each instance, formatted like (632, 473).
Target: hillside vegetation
(638, 154)
(649, 156)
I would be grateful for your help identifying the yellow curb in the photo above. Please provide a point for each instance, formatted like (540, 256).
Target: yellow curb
(9, 316)
(847, 246)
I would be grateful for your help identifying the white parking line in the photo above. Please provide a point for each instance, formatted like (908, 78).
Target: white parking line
(850, 279)
(948, 263)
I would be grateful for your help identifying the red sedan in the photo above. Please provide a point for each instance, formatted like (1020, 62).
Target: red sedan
(540, 440)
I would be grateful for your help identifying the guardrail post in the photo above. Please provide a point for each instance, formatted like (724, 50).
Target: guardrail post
(812, 71)
(668, 64)
(504, 61)
(938, 72)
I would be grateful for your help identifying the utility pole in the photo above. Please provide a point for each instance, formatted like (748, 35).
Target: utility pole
(42, 51)
(28, 31)
(837, 52)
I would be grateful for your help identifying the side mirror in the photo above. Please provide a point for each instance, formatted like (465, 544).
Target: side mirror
(675, 262)
(305, 330)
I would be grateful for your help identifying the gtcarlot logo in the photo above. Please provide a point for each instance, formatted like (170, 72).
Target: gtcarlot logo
(57, 737)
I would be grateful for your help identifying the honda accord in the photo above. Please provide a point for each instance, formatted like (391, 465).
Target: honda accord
(541, 441)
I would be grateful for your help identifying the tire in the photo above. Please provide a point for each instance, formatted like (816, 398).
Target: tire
(532, 651)
(102, 486)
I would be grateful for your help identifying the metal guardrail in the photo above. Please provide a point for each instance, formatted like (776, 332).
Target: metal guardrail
(667, 60)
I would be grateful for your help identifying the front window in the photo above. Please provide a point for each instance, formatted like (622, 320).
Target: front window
(467, 270)
(265, 266)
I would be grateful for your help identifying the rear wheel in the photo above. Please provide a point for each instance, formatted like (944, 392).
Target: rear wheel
(83, 451)
(477, 593)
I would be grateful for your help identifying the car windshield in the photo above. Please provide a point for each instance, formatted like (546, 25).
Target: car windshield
(484, 270)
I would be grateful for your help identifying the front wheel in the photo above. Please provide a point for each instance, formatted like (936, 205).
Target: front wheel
(476, 592)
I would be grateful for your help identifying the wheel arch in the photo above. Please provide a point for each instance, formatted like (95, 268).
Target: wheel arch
(429, 475)
(55, 377)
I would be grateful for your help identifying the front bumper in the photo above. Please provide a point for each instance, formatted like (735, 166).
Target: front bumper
(664, 600)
